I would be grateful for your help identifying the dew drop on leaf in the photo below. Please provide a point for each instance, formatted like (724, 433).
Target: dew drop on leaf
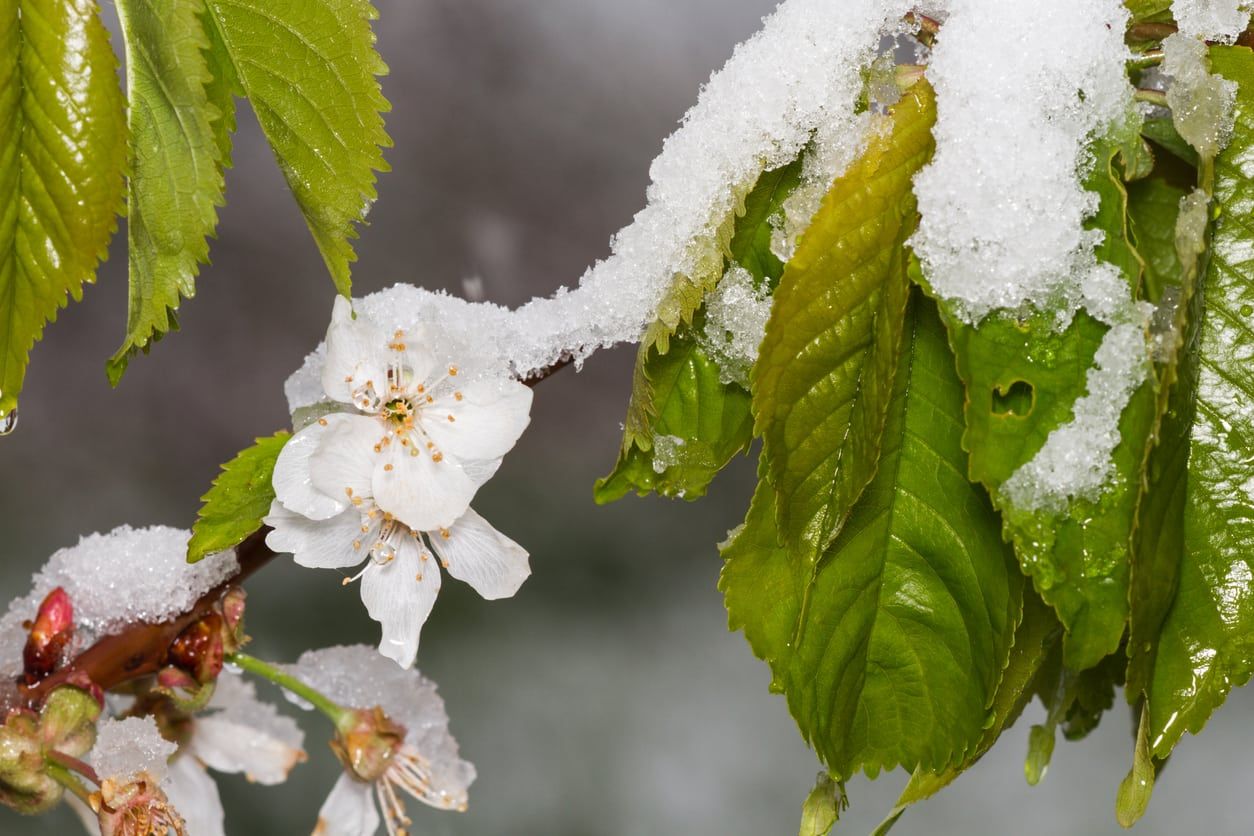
(8, 422)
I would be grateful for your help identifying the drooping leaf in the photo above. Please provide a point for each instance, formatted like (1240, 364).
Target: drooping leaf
(1138, 784)
(822, 806)
(308, 67)
(1038, 633)
(678, 392)
(1172, 278)
(240, 497)
(824, 375)
(1023, 377)
(62, 155)
(175, 183)
(1206, 646)
(891, 646)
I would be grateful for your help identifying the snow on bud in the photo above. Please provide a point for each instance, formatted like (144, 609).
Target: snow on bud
(131, 758)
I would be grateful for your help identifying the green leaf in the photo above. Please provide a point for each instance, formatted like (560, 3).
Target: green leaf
(240, 497)
(1035, 639)
(175, 177)
(677, 391)
(891, 646)
(1172, 276)
(308, 67)
(1023, 377)
(1138, 785)
(699, 425)
(823, 806)
(1149, 10)
(1206, 646)
(824, 375)
(62, 154)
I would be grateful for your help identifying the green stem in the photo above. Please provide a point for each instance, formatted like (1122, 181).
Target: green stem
(67, 779)
(1149, 58)
(267, 671)
(1154, 97)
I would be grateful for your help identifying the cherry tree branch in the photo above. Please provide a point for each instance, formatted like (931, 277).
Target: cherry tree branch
(143, 649)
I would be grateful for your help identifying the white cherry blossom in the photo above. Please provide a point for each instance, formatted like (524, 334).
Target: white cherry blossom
(432, 432)
(390, 483)
(423, 763)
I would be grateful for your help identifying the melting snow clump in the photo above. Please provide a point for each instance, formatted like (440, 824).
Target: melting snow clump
(1020, 94)
(1218, 20)
(128, 575)
(125, 748)
(667, 452)
(1076, 458)
(735, 321)
(1201, 103)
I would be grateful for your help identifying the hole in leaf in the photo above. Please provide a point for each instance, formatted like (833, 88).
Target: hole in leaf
(1018, 399)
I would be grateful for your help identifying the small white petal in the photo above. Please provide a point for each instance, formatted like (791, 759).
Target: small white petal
(194, 793)
(400, 596)
(357, 355)
(475, 552)
(348, 811)
(293, 485)
(344, 462)
(229, 746)
(324, 544)
(486, 420)
(421, 492)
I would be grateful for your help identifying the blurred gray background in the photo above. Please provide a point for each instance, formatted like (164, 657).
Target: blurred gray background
(608, 696)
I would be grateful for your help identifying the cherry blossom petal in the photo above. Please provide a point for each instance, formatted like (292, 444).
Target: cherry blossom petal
(292, 483)
(349, 810)
(243, 734)
(317, 544)
(400, 595)
(475, 552)
(194, 793)
(344, 462)
(480, 471)
(421, 492)
(357, 355)
(484, 423)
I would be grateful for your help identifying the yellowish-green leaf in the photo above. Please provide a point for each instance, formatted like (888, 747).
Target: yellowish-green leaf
(824, 375)
(175, 182)
(309, 69)
(62, 155)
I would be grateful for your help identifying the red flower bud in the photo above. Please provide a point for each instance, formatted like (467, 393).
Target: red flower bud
(50, 633)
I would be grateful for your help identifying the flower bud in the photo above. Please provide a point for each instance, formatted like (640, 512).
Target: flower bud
(233, 612)
(199, 649)
(50, 633)
(135, 808)
(67, 720)
(23, 784)
(365, 742)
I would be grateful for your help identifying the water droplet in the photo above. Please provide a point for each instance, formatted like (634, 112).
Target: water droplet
(8, 422)
(1247, 310)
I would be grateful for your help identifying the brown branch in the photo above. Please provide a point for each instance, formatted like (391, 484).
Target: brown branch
(143, 649)
(140, 649)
